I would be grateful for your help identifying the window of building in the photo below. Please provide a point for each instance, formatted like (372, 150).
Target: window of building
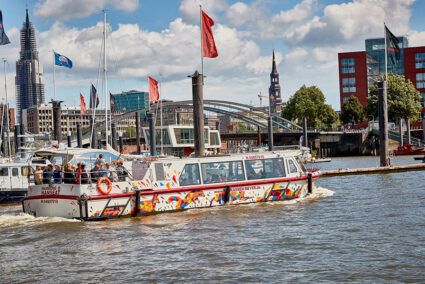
(348, 85)
(420, 80)
(345, 99)
(422, 99)
(420, 60)
(347, 65)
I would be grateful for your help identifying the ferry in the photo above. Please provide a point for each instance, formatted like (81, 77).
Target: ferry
(163, 184)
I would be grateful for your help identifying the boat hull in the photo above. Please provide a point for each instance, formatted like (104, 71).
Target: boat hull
(144, 202)
(12, 196)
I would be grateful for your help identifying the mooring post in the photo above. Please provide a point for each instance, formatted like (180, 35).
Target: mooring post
(114, 135)
(57, 126)
(400, 129)
(17, 138)
(79, 136)
(68, 137)
(99, 140)
(198, 113)
(258, 136)
(310, 182)
(152, 139)
(305, 140)
(22, 132)
(137, 203)
(4, 142)
(138, 132)
(383, 124)
(408, 130)
(270, 132)
(121, 142)
(93, 136)
(423, 128)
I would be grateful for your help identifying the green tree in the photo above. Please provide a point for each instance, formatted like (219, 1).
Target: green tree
(309, 102)
(403, 99)
(130, 131)
(352, 111)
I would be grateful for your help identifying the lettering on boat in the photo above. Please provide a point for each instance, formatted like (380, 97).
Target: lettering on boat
(251, 187)
(254, 157)
(49, 201)
(50, 190)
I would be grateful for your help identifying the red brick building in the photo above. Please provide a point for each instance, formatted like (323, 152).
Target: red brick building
(358, 69)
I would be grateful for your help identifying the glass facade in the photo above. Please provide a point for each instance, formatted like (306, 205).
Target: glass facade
(348, 85)
(375, 56)
(420, 60)
(347, 65)
(132, 100)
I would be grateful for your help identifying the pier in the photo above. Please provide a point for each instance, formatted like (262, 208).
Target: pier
(374, 170)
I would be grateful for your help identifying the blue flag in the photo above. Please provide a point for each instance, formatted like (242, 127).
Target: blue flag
(61, 60)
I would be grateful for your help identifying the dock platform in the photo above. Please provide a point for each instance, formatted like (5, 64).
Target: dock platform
(374, 170)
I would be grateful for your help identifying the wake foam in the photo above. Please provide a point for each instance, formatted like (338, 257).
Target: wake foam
(24, 219)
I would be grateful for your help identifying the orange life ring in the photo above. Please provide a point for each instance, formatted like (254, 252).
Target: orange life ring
(99, 185)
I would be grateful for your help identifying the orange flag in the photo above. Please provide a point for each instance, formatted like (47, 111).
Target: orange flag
(153, 90)
(208, 45)
(83, 104)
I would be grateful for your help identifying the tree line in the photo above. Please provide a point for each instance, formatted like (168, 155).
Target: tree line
(310, 102)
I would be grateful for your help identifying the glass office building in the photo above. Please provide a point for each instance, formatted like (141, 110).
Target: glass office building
(131, 100)
(375, 56)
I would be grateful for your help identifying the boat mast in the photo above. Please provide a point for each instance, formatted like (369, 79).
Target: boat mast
(105, 82)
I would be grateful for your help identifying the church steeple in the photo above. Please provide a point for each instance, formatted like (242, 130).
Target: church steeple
(274, 90)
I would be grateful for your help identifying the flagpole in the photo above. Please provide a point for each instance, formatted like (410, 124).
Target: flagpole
(7, 111)
(386, 51)
(202, 43)
(54, 76)
(160, 102)
(105, 82)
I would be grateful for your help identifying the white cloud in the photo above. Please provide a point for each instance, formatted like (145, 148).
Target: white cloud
(189, 9)
(67, 9)
(416, 38)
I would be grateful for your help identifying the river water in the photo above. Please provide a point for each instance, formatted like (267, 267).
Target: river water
(360, 229)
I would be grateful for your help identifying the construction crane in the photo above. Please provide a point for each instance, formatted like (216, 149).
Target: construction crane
(261, 99)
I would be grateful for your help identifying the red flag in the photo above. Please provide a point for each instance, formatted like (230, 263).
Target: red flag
(79, 174)
(208, 44)
(153, 90)
(83, 104)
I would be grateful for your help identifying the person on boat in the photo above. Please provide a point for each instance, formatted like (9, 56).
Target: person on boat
(48, 174)
(102, 171)
(38, 175)
(57, 174)
(69, 175)
(84, 176)
(99, 160)
(121, 172)
(95, 174)
(111, 174)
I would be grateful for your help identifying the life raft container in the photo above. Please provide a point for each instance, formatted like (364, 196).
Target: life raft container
(99, 185)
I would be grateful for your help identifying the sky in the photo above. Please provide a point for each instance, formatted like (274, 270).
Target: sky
(161, 38)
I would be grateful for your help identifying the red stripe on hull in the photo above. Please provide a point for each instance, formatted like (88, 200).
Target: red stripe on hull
(176, 190)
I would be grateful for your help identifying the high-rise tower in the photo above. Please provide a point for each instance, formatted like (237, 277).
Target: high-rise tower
(29, 78)
(274, 90)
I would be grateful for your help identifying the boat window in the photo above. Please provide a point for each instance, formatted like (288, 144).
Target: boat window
(106, 155)
(15, 172)
(292, 167)
(301, 164)
(4, 172)
(190, 175)
(264, 168)
(159, 171)
(222, 172)
(25, 171)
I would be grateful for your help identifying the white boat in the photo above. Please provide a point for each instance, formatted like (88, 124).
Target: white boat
(167, 184)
